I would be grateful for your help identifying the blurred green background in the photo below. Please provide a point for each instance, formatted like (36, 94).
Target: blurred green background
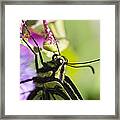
(84, 45)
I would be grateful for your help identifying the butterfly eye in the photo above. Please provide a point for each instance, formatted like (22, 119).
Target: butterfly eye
(54, 57)
(65, 59)
(61, 61)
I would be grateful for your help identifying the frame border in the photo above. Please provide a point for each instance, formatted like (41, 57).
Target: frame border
(69, 2)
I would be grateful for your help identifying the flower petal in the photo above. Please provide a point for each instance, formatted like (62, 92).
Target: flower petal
(25, 89)
(38, 38)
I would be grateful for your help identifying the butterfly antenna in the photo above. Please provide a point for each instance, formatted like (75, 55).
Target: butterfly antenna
(89, 66)
(76, 65)
(92, 61)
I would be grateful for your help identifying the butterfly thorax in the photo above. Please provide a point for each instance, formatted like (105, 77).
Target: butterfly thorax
(55, 68)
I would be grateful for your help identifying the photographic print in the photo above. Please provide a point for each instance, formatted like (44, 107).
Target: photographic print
(60, 60)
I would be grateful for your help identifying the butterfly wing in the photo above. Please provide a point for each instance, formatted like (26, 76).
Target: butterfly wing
(72, 89)
(48, 89)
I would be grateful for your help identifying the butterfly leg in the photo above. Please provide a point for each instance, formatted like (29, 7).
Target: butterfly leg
(36, 60)
(38, 48)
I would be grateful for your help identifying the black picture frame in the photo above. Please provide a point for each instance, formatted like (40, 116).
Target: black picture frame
(70, 2)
